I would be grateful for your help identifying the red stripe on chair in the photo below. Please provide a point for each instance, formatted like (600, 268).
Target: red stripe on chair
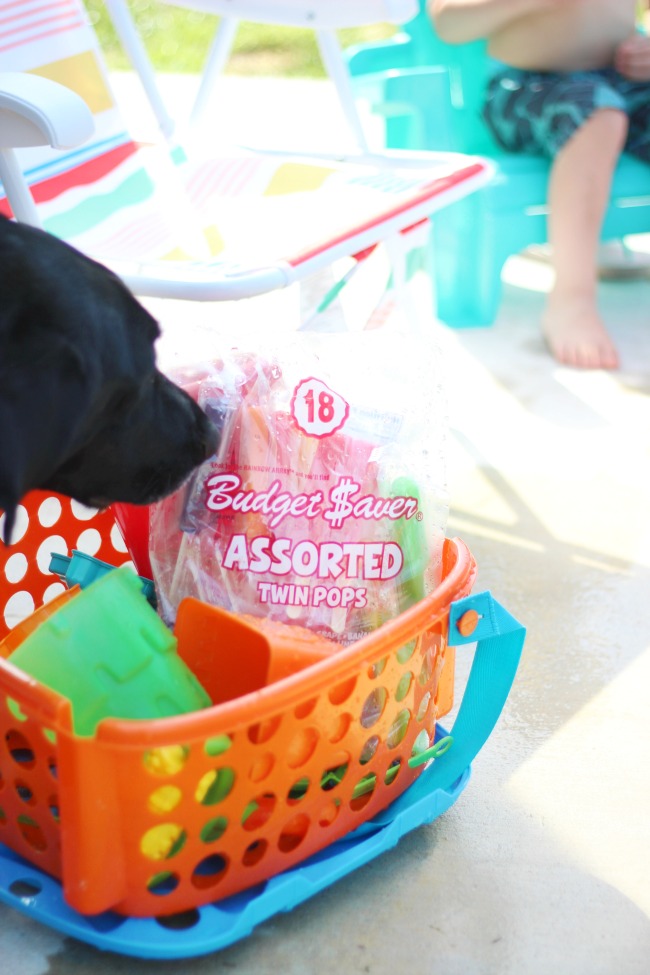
(87, 172)
(429, 190)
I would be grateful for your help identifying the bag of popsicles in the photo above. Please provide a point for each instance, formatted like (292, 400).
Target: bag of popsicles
(325, 505)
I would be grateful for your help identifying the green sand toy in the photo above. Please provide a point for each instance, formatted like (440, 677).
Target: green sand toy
(109, 653)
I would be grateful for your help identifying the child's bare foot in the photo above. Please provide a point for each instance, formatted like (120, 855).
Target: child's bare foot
(576, 335)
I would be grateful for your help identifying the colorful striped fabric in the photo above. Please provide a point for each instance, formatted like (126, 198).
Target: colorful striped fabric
(126, 204)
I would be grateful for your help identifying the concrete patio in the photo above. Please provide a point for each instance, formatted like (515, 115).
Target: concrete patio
(543, 864)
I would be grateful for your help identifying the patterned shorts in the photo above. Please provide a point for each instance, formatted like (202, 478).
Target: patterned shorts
(537, 112)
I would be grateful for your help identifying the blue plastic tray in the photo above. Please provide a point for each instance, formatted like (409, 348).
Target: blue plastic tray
(215, 926)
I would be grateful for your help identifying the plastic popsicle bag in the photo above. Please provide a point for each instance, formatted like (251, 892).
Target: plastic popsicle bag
(326, 504)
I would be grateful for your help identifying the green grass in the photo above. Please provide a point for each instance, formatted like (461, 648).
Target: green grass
(178, 40)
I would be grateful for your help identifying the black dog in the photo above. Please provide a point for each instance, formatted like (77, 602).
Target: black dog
(83, 409)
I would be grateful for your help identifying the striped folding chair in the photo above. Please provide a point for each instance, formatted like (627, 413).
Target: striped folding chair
(229, 226)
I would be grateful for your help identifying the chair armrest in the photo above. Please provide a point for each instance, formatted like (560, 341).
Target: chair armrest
(36, 111)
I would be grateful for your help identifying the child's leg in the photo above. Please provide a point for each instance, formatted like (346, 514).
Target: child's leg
(579, 191)
(579, 120)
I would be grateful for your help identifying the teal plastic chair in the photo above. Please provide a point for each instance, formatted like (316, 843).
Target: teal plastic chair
(429, 95)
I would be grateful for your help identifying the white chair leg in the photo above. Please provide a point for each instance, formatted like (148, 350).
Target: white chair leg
(17, 190)
(135, 49)
(332, 57)
(398, 250)
(214, 65)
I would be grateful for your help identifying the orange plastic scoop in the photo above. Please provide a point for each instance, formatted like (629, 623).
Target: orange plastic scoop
(234, 655)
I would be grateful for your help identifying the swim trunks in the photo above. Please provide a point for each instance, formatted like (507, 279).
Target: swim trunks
(537, 112)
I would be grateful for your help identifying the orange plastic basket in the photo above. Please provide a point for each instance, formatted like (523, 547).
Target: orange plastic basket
(156, 817)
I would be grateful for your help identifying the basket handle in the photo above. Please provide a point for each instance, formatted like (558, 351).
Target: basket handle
(499, 641)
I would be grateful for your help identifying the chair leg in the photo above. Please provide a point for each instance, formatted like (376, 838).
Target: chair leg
(214, 65)
(16, 189)
(399, 249)
(137, 54)
(334, 64)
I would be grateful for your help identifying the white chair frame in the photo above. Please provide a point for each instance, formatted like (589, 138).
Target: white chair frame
(324, 17)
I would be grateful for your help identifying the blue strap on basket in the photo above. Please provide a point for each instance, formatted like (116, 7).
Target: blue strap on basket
(81, 569)
(499, 638)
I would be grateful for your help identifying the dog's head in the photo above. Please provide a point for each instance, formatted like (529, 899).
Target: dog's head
(83, 409)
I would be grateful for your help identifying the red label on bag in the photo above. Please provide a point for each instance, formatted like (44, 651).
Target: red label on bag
(317, 409)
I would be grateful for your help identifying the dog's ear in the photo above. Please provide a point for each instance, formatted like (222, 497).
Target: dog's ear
(44, 398)
(46, 362)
